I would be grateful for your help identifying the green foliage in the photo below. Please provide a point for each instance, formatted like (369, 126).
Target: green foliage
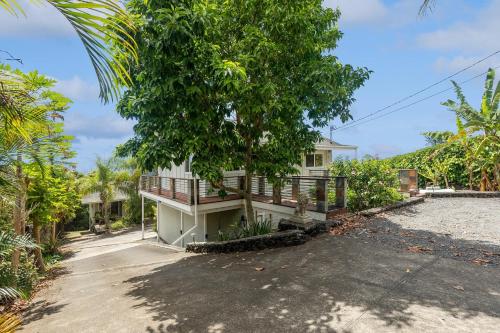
(257, 228)
(15, 284)
(471, 156)
(128, 181)
(227, 82)
(80, 221)
(424, 160)
(370, 183)
(98, 24)
(118, 225)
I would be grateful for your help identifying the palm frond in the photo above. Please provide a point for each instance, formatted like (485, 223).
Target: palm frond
(9, 322)
(487, 100)
(10, 241)
(99, 24)
(8, 293)
(426, 7)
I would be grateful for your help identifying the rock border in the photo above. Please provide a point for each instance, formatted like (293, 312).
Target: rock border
(463, 194)
(377, 210)
(274, 240)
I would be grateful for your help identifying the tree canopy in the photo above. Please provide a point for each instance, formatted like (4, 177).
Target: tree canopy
(239, 84)
(235, 84)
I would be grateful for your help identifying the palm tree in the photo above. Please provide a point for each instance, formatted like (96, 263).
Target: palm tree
(104, 181)
(426, 6)
(486, 122)
(98, 23)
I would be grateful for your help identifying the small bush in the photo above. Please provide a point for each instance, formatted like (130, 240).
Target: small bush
(255, 229)
(25, 279)
(370, 183)
(118, 225)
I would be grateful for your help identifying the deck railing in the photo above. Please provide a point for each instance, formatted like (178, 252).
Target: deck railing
(324, 193)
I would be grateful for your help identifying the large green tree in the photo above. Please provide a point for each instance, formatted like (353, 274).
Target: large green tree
(235, 84)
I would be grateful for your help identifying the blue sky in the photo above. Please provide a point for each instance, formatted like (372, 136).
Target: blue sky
(406, 53)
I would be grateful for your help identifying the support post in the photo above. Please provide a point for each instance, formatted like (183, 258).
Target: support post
(295, 188)
(194, 185)
(205, 235)
(142, 215)
(321, 195)
(262, 186)
(172, 187)
(90, 217)
(340, 192)
(158, 221)
(182, 228)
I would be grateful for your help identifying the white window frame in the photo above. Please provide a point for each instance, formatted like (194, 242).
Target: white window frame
(314, 160)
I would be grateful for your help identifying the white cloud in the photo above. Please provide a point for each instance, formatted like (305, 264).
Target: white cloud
(85, 128)
(479, 35)
(384, 150)
(78, 89)
(41, 20)
(359, 11)
(454, 64)
(375, 12)
(89, 148)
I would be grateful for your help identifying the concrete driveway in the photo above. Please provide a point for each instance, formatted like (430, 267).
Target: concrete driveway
(330, 284)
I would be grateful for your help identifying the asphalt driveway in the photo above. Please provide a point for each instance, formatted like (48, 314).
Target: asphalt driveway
(330, 284)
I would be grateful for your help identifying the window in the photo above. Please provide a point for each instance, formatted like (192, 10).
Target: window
(309, 160)
(188, 165)
(314, 160)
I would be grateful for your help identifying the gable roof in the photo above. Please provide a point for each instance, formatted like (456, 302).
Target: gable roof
(94, 197)
(328, 144)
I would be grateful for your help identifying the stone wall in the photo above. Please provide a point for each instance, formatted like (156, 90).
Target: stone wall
(404, 203)
(277, 239)
(464, 194)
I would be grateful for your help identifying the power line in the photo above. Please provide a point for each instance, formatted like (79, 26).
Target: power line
(420, 91)
(413, 103)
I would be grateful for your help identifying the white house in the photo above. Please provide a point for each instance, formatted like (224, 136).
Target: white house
(189, 209)
(95, 205)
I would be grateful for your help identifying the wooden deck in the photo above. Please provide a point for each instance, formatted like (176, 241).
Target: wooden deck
(183, 198)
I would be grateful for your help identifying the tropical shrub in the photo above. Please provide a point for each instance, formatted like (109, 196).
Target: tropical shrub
(118, 225)
(427, 159)
(370, 183)
(236, 231)
(17, 282)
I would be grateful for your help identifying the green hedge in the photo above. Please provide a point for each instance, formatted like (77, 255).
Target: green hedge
(370, 183)
(425, 158)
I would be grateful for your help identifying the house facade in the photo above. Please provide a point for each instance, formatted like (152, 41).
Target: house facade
(190, 210)
(94, 204)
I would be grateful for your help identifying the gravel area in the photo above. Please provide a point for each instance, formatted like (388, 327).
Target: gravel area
(465, 229)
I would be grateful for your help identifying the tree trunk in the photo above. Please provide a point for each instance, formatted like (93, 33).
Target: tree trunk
(497, 176)
(248, 199)
(446, 181)
(484, 180)
(19, 212)
(471, 176)
(38, 251)
(53, 233)
(106, 209)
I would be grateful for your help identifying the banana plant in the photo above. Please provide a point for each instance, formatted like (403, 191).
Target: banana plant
(485, 122)
(99, 24)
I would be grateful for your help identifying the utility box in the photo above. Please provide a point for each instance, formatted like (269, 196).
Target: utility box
(408, 181)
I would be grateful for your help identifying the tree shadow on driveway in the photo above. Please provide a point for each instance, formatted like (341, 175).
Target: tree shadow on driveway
(40, 309)
(333, 284)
